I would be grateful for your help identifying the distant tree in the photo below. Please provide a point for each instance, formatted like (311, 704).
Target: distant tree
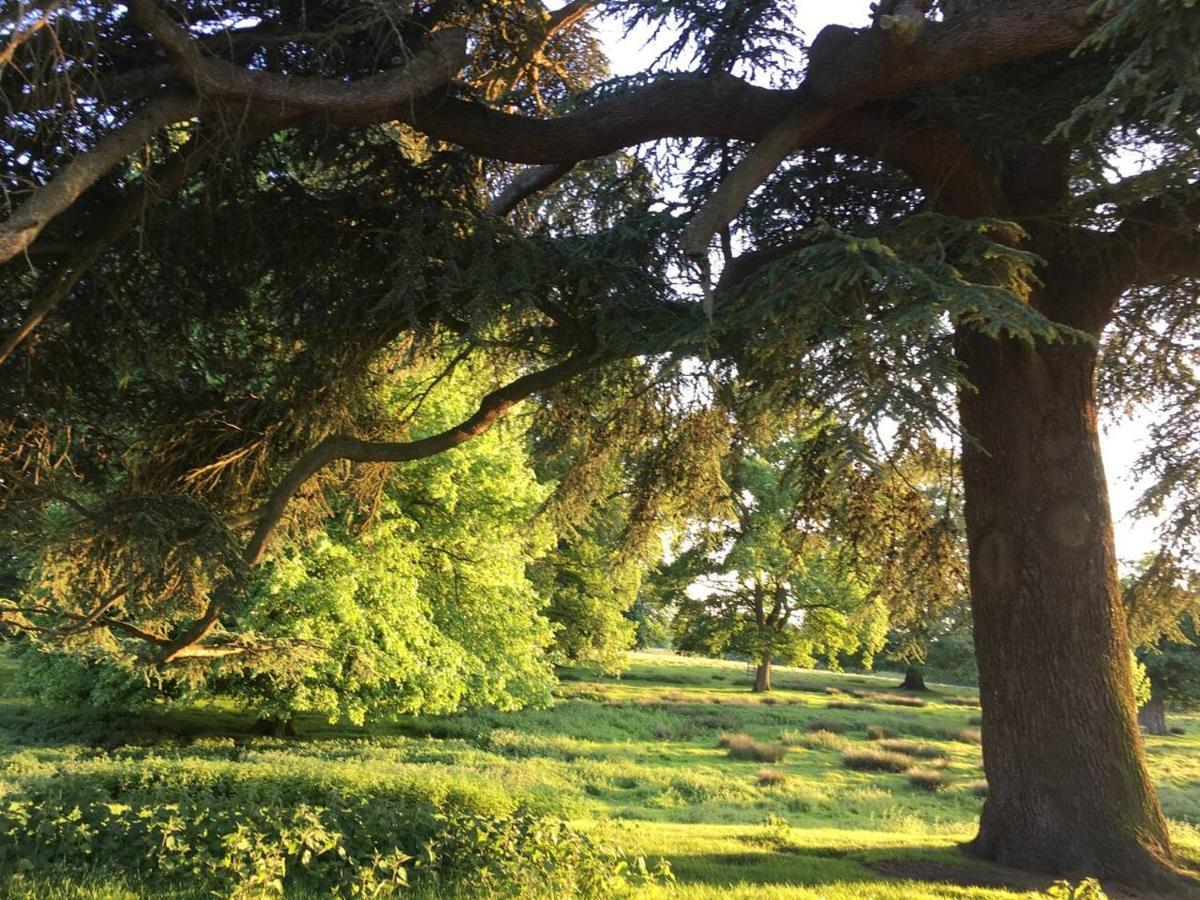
(1162, 601)
(776, 579)
(918, 536)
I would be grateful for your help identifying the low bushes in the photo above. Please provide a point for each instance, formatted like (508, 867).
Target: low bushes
(742, 746)
(849, 704)
(879, 732)
(249, 830)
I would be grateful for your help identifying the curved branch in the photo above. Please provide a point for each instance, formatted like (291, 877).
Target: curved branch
(848, 68)
(793, 131)
(57, 194)
(343, 447)
(438, 62)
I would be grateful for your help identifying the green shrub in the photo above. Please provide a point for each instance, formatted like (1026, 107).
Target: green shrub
(931, 780)
(246, 830)
(876, 761)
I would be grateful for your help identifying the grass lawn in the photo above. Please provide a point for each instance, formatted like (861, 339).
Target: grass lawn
(637, 760)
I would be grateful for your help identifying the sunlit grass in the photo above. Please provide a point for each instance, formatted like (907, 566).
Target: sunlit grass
(638, 760)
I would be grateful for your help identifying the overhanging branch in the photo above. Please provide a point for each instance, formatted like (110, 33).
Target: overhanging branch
(440, 60)
(343, 447)
(84, 170)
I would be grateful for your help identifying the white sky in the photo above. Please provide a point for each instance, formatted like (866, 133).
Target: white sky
(1121, 441)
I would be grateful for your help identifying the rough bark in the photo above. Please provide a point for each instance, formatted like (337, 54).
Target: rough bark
(914, 679)
(1153, 717)
(1069, 792)
(762, 676)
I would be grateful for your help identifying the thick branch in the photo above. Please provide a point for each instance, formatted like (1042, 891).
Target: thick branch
(1158, 240)
(525, 184)
(438, 62)
(793, 131)
(84, 170)
(848, 68)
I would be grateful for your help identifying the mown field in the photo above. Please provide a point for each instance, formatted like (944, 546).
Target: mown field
(651, 764)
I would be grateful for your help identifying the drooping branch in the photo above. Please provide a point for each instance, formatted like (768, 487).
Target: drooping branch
(57, 194)
(344, 447)
(794, 130)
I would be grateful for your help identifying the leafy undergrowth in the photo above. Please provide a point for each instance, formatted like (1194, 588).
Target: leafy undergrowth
(187, 805)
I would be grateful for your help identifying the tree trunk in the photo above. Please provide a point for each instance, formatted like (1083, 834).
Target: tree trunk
(762, 676)
(914, 679)
(1068, 789)
(1153, 717)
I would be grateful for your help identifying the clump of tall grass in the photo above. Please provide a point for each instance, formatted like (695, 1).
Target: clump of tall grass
(965, 735)
(771, 777)
(876, 761)
(931, 780)
(912, 748)
(879, 732)
(961, 701)
(897, 700)
(742, 746)
(815, 740)
(978, 788)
